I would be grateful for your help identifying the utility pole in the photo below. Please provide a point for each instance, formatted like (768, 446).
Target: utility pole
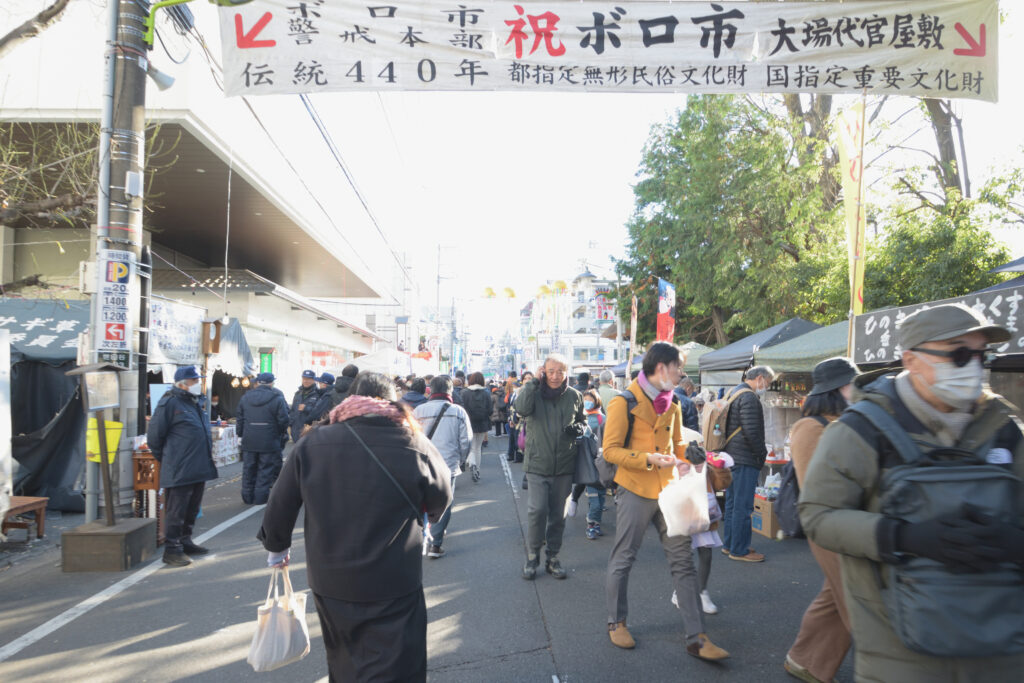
(116, 303)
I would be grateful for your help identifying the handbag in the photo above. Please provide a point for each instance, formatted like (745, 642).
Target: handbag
(586, 453)
(281, 636)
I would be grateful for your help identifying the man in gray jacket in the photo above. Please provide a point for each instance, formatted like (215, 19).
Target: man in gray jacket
(447, 426)
(554, 418)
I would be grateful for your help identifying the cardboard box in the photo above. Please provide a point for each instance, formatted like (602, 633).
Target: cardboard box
(763, 520)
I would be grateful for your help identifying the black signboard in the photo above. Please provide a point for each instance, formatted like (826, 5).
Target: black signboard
(875, 338)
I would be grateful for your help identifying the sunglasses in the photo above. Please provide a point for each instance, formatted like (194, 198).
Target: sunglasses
(960, 356)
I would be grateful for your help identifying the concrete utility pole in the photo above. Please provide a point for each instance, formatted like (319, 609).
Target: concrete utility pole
(119, 212)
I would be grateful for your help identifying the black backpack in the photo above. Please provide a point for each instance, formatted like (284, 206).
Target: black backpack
(789, 495)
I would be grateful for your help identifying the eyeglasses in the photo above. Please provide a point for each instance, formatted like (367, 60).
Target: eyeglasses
(960, 356)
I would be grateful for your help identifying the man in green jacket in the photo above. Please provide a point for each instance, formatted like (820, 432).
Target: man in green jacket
(554, 418)
(939, 400)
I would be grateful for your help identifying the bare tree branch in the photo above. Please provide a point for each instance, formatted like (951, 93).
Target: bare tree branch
(32, 27)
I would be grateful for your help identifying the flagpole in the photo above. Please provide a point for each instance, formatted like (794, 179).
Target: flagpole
(858, 256)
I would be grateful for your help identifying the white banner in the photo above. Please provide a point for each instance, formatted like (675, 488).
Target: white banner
(931, 48)
(175, 333)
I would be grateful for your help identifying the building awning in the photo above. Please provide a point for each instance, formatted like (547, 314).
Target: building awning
(740, 354)
(802, 353)
(168, 280)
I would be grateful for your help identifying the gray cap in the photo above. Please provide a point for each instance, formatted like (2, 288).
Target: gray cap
(946, 322)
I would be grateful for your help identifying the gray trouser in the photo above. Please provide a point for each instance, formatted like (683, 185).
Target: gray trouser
(632, 517)
(545, 511)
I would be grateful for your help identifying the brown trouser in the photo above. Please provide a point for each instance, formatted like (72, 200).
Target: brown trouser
(824, 636)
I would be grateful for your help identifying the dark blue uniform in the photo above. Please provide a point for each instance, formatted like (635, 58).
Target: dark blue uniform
(304, 396)
(179, 437)
(262, 423)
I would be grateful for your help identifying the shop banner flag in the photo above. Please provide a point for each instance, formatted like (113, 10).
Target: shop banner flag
(666, 311)
(851, 160)
(632, 338)
(925, 48)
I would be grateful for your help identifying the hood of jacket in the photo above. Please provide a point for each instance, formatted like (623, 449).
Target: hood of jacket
(343, 384)
(262, 394)
(414, 397)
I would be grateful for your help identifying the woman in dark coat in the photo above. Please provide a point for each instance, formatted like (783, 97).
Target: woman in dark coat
(365, 480)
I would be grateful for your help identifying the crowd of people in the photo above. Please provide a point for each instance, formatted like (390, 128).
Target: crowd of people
(909, 478)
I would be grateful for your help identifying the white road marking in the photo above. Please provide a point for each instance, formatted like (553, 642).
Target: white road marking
(508, 475)
(15, 646)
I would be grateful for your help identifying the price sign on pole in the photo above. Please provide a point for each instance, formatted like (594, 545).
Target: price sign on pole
(113, 326)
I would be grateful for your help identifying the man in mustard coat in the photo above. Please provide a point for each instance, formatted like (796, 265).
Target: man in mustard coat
(645, 466)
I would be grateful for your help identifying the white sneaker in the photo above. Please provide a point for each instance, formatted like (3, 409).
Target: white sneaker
(570, 508)
(705, 603)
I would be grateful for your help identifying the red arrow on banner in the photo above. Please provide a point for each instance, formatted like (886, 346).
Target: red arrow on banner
(977, 47)
(246, 40)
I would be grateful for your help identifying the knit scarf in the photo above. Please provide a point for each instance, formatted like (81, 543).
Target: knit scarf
(549, 394)
(438, 397)
(358, 406)
(661, 399)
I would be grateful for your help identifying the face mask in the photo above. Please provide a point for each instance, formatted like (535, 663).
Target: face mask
(588, 405)
(196, 389)
(957, 387)
(215, 403)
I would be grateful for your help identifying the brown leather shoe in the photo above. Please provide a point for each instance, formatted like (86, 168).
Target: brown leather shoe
(620, 637)
(705, 649)
(749, 557)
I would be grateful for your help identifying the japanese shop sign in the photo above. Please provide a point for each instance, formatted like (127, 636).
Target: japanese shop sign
(41, 329)
(175, 333)
(875, 340)
(928, 48)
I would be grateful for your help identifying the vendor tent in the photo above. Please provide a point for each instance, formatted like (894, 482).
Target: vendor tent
(620, 369)
(802, 353)
(693, 352)
(235, 357)
(740, 354)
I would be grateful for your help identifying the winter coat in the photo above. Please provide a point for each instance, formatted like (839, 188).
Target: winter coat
(321, 407)
(305, 397)
(689, 409)
(745, 412)
(457, 395)
(840, 499)
(453, 436)
(342, 388)
(652, 433)
(477, 402)
(550, 451)
(262, 420)
(413, 399)
(362, 538)
(179, 437)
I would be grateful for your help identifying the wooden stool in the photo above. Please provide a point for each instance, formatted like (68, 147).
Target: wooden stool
(21, 505)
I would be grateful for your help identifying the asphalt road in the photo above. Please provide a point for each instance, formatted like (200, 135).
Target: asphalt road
(485, 622)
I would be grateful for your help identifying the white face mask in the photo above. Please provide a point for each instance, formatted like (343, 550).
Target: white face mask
(196, 389)
(957, 387)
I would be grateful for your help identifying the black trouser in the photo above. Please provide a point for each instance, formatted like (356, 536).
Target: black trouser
(181, 506)
(259, 472)
(375, 641)
(497, 427)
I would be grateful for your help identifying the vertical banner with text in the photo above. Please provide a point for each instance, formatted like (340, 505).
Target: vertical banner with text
(851, 159)
(666, 311)
(632, 340)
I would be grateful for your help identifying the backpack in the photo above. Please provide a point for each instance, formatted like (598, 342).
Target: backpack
(714, 435)
(932, 610)
(789, 495)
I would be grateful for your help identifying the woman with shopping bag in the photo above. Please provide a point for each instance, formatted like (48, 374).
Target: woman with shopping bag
(365, 479)
(647, 443)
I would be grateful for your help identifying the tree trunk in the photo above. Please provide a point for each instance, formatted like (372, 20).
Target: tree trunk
(814, 125)
(719, 325)
(32, 27)
(948, 170)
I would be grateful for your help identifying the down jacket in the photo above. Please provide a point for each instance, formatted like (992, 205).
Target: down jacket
(478, 404)
(453, 436)
(747, 415)
(179, 437)
(262, 420)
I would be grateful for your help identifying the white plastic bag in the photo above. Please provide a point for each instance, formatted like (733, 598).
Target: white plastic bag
(281, 636)
(684, 503)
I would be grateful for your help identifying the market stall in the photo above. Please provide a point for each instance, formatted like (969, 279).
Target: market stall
(723, 369)
(693, 351)
(793, 361)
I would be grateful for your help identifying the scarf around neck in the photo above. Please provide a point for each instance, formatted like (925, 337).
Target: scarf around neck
(358, 406)
(440, 397)
(549, 394)
(661, 399)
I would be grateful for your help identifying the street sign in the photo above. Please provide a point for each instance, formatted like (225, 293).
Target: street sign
(114, 318)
